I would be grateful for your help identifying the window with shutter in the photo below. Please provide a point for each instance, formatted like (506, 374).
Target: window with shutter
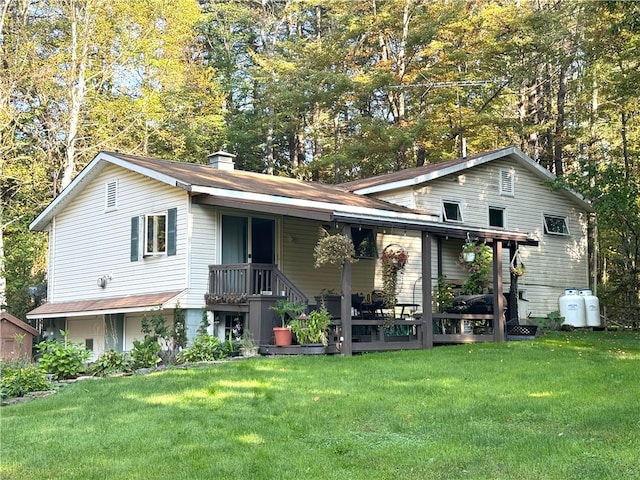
(507, 182)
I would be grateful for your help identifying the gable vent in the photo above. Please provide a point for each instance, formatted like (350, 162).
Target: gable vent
(111, 195)
(507, 182)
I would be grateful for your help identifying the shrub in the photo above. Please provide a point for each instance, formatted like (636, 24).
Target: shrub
(110, 362)
(17, 379)
(145, 354)
(204, 348)
(63, 360)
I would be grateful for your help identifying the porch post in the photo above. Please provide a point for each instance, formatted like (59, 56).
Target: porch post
(427, 289)
(345, 304)
(498, 298)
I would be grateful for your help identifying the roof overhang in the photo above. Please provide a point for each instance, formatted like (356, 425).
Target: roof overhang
(297, 207)
(355, 216)
(90, 171)
(439, 229)
(105, 306)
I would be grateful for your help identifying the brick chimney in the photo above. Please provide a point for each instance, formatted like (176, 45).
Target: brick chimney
(221, 160)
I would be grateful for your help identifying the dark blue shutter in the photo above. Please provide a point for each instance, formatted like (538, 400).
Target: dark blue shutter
(135, 238)
(172, 224)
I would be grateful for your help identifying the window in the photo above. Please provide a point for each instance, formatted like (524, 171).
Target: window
(555, 225)
(497, 217)
(155, 234)
(364, 241)
(507, 182)
(451, 211)
(111, 196)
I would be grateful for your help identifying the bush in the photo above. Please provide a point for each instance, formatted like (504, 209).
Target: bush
(145, 354)
(16, 380)
(204, 348)
(63, 360)
(110, 362)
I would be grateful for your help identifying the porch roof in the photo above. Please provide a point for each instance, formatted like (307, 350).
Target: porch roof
(103, 306)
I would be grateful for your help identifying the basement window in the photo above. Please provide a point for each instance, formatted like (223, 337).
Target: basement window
(555, 225)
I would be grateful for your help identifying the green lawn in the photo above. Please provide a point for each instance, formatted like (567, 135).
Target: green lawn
(564, 406)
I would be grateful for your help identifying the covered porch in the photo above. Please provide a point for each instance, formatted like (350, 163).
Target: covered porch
(251, 289)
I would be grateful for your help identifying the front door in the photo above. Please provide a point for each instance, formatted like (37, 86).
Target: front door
(248, 240)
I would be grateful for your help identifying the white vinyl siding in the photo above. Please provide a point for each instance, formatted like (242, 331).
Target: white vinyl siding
(89, 245)
(203, 243)
(558, 262)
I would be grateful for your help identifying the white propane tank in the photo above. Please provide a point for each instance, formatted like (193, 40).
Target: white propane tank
(592, 307)
(572, 308)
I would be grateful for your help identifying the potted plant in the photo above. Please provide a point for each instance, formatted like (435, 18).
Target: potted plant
(285, 308)
(311, 330)
(248, 347)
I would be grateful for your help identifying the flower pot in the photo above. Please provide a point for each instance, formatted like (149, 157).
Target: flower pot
(282, 336)
(469, 256)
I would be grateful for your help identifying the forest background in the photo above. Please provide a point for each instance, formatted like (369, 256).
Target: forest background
(320, 90)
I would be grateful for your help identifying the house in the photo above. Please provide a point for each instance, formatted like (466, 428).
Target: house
(16, 337)
(133, 236)
(503, 189)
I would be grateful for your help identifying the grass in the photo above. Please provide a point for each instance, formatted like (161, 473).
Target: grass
(564, 406)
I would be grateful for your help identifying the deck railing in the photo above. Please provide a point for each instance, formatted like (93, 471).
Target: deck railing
(241, 279)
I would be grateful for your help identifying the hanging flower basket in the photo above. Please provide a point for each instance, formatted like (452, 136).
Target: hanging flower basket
(517, 266)
(394, 258)
(476, 259)
(395, 255)
(334, 250)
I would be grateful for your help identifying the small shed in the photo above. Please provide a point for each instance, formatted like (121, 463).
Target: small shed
(11, 329)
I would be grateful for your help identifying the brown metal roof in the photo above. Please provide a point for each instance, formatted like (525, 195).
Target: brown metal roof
(61, 309)
(203, 175)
